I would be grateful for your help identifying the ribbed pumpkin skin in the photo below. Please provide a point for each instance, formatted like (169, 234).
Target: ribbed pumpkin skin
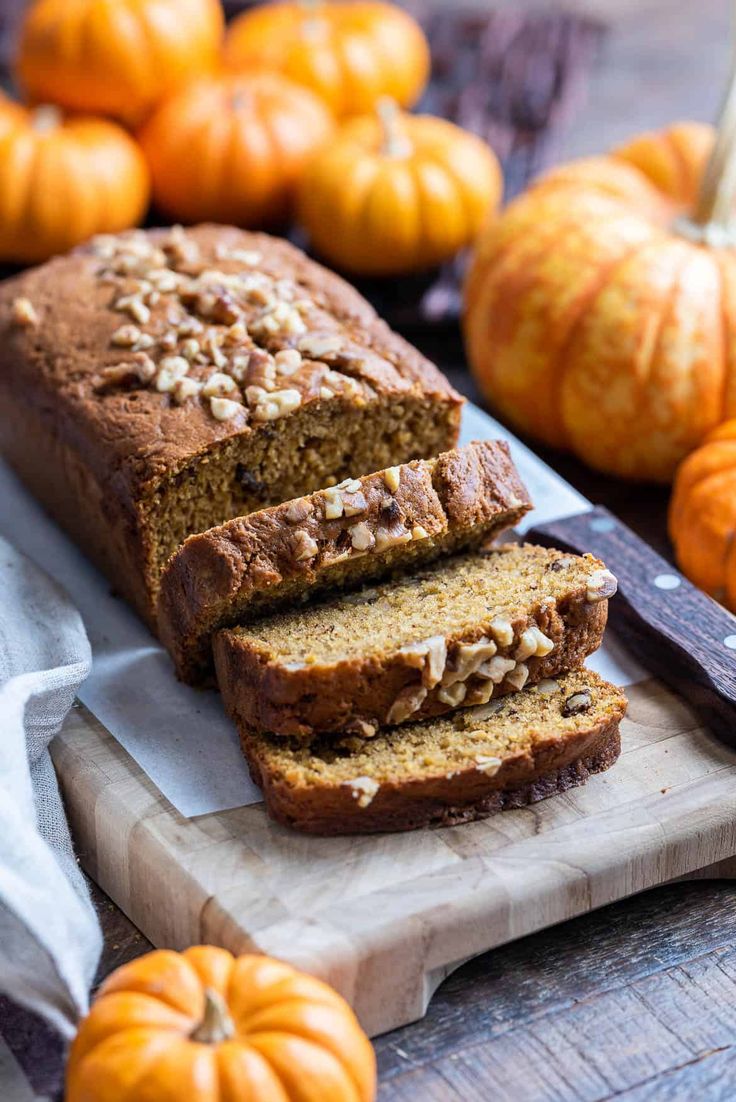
(116, 57)
(232, 148)
(372, 213)
(350, 53)
(295, 1039)
(593, 325)
(702, 517)
(63, 181)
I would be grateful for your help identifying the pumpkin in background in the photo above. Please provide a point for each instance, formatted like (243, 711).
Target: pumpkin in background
(63, 180)
(232, 148)
(396, 193)
(351, 53)
(116, 58)
(703, 515)
(207, 1027)
(600, 309)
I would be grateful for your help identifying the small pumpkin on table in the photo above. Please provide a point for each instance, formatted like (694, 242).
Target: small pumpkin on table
(202, 1025)
(396, 193)
(349, 52)
(64, 179)
(600, 309)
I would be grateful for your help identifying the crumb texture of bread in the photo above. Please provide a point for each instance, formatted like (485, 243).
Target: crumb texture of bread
(445, 770)
(157, 383)
(460, 631)
(359, 530)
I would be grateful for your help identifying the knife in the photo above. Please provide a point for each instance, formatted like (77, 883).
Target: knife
(675, 631)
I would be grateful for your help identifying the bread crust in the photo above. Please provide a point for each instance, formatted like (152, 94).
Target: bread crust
(250, 565)
(558, 764)
(268, 695)
(95, 456)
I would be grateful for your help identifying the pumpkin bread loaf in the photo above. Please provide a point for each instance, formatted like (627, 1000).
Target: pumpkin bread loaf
(459, 632)
(360, 530)
(154, 384)
(446, 770)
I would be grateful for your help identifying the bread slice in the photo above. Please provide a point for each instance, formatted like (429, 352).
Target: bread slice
(447, 770)
(358, 531)
(460, 631)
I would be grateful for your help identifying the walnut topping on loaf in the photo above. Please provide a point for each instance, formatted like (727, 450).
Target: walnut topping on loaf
(215, 334)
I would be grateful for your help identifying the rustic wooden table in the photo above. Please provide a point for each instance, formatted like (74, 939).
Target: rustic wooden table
(636, 1001)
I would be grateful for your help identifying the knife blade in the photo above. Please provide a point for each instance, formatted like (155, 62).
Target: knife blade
(677, 632)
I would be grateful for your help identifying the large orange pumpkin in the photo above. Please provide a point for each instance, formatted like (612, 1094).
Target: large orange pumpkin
(350, 52)
(116, 58)
(600, 309)
(63, 180)
(394, 194)
(703, 515)
(202, 1026)
(232, 148)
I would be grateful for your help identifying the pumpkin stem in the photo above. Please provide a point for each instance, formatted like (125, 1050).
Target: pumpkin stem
(394, 144)
(46, 118)
(714, 212)
(216, 1025)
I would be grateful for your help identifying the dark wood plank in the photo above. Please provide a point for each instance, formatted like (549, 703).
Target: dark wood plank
(601, 1006)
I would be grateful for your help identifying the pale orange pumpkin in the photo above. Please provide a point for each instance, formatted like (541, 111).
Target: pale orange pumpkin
(64, 179)
(702, 517)
(351, 52)
(116, 58)
(397, 193)
(203, 1026)
(232, 148)
(600, 310)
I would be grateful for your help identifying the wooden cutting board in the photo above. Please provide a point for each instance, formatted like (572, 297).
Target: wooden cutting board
(385, 918)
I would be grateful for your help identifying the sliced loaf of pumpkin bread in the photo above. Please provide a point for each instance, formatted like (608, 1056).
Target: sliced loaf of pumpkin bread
(457, 632)
(360, 530)
(445, 770)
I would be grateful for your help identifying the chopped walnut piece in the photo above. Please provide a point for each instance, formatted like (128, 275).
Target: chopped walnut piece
(453, 694)
(185, 388)
(125, 336)
(354, 504)
(304, 546)
(135, 306)
(602, 584)
(219, 384)
(224, 409)
(485, 763)
(406, 704)
(392, 478)
(298, 511)
(288, 361)
(277, 404)
(519, 676)
(502, 631)
(361, 536)
(363, 789)
(577, 703)
(170, 369)
(419, 532)
(495, 669)
(139, 369)
(388, 537)
(317, 347)
(333, 503)
(24, 313)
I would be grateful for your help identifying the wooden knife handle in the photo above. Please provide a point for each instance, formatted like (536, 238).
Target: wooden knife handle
(673, 629)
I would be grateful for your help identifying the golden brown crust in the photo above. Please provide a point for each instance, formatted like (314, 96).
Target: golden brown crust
(558, 765)
(128, 441)
(256, 563)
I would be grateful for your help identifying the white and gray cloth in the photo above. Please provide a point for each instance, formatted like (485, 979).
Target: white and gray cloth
(50, 938)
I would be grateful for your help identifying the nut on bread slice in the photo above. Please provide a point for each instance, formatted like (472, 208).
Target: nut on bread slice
(457, 632)
(446, 770)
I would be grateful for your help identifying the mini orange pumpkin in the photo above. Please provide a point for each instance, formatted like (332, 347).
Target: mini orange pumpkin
(351, 52)
(232, 148)
(64, 180)
(600, 310)
(203, 1026)
(397, 193)
(116, 58)
(703, 515)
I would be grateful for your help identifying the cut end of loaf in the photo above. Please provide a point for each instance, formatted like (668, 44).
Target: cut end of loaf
(459, 767)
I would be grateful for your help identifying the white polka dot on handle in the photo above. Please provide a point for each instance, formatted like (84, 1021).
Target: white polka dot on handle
(667, 581)
(730, 642)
